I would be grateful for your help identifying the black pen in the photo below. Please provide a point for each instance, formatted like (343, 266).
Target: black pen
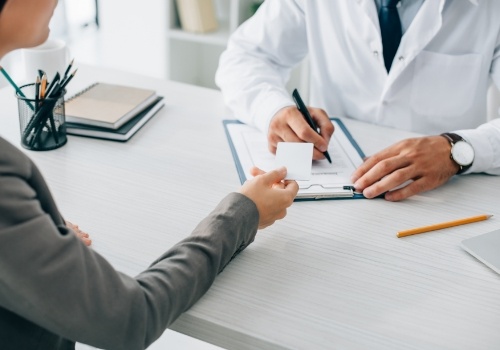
(305, 113)
(51, 116)
(53, 83)
(64, 83)
(67, 69)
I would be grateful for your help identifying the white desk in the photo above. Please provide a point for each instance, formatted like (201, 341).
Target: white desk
(332, 274)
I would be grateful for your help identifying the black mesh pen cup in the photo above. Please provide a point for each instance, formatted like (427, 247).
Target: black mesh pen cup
(42, 121)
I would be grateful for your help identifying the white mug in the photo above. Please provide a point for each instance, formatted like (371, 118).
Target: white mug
(52, 56)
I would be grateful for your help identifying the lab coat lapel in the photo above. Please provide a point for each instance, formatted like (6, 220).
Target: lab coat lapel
(370, 9)
(422, 30)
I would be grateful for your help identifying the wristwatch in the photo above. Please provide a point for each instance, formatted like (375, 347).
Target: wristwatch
(462, 152)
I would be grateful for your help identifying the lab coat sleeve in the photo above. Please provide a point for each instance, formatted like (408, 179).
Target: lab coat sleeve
(486, 138)
(257, 63)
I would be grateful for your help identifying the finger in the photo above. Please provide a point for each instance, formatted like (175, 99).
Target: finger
(292, 187)
(411, 189)
(362, 169)
(317, 154)
(272, 148)
(289, 135)
(255, 171)
(274, 176)
(371, 161)
(325, 127)
(306, 134)
(379, 170)
(279, 185)
(272, 141)
(390, 182)
(324, 124)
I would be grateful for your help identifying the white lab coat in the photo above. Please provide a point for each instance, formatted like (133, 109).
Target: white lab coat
(438, 81)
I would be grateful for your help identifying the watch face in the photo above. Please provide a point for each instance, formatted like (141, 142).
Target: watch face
(462, 153)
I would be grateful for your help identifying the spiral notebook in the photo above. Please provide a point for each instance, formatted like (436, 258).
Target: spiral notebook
(107, 105)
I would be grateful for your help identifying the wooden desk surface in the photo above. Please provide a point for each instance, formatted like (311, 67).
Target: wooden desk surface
(332, 274)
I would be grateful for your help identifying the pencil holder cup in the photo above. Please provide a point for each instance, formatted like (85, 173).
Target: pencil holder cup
(42, 122)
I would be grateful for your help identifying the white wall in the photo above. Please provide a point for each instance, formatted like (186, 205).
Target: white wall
(131, 36)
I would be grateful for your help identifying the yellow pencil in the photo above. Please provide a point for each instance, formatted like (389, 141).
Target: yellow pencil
(43, 87)
(414, 231)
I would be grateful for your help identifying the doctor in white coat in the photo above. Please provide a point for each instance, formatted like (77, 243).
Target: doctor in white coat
(435, 83)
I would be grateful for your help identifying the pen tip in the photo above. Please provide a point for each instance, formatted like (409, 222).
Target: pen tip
(327, 156)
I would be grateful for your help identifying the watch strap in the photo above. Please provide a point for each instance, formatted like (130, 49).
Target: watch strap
(453, 138)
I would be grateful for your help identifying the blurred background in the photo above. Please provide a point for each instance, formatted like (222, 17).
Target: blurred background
(127, 36)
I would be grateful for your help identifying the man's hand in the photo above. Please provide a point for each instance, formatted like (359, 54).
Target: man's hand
(425, 160)
(270, 194)
(288, 125)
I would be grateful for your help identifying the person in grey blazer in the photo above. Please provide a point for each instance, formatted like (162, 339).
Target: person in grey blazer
(54, 290)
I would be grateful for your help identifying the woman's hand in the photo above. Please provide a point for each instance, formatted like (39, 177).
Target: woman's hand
(84, 237)
(271, 194)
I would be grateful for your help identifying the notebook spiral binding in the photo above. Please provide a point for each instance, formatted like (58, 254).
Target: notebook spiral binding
(81, 92)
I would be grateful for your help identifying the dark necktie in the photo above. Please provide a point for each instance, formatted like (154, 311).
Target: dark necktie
(390, 28)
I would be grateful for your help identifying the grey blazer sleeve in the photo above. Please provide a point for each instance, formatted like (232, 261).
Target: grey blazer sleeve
(50, 278)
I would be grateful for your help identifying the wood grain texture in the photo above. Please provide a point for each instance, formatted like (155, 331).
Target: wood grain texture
(331, 275)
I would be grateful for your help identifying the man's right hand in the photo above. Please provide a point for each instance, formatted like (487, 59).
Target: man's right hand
(288, 125)
(271, 194)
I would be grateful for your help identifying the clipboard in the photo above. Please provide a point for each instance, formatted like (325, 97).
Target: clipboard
(249, 148)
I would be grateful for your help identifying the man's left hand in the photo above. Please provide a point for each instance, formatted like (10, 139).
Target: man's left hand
(423, 163)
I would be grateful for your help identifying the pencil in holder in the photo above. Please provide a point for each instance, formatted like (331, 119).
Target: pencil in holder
(42, 121)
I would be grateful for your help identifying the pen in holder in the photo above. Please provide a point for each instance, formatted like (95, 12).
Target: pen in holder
(42, 121)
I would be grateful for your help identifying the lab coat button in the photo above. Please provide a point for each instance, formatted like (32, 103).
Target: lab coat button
(375, 54)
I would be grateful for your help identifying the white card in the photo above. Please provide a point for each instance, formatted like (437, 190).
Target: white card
(297, 158)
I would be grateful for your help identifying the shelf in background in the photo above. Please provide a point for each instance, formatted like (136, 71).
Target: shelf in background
(193, 58)
(218, 37)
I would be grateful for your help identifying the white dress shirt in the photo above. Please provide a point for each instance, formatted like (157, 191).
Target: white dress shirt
(438, 81)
